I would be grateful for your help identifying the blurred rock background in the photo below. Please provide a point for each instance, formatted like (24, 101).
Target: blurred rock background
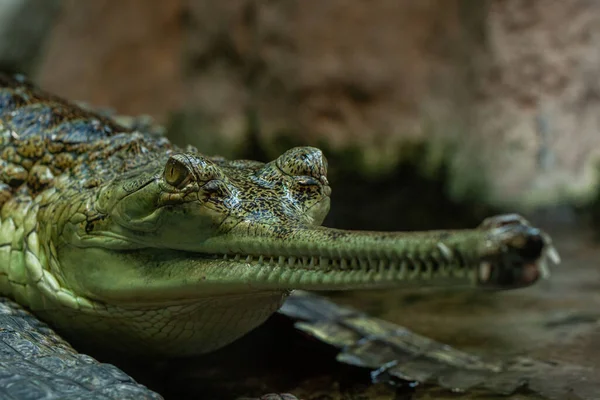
(432, 113)
(445, 109)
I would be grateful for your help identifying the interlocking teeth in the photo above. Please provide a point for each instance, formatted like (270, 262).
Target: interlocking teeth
(414, 266)
(485, 271)
(543, 268)
(553, 254)
(549, 254)
(445, 250)
(550, 251)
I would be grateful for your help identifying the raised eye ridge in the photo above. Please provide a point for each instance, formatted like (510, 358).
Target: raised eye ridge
(304, 162)
(182, 168)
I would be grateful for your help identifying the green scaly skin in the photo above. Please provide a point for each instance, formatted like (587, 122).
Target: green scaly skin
(120, 238)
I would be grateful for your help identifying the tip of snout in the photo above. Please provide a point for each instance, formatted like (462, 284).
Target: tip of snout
(493, 277)
(526, 265)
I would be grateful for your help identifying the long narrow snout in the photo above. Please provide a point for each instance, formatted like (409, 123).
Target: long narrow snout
(317, 258)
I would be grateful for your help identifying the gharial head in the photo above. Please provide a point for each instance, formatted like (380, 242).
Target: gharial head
(203, 198)
(186, 204)
(210, 248)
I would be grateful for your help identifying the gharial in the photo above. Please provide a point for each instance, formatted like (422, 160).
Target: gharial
(119, 237)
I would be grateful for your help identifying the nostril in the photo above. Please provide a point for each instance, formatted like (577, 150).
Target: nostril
(533, 246)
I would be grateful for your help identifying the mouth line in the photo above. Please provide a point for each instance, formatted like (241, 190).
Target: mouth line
(329, 264)
(405, 268)
(485, 274)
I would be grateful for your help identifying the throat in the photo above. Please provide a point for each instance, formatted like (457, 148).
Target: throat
(180, 330)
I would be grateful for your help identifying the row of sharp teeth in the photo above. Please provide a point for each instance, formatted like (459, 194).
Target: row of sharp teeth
(326, 263)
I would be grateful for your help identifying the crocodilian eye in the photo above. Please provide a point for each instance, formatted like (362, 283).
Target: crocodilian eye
(176, 173)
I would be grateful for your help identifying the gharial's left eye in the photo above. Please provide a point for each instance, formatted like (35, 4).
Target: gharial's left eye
(176, 172)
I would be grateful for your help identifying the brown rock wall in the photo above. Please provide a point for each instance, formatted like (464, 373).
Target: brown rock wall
(119, 54)
(537, 108)
(513, 85)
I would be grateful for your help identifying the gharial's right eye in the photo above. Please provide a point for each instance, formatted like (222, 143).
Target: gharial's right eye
(307, 163)
(177, 173)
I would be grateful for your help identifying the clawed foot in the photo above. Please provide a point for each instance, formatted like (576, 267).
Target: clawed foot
(515, 253)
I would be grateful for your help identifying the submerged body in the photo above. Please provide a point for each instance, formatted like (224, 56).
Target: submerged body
(118, 237)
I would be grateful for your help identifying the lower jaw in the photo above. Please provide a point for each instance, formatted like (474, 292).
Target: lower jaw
(163, 278)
